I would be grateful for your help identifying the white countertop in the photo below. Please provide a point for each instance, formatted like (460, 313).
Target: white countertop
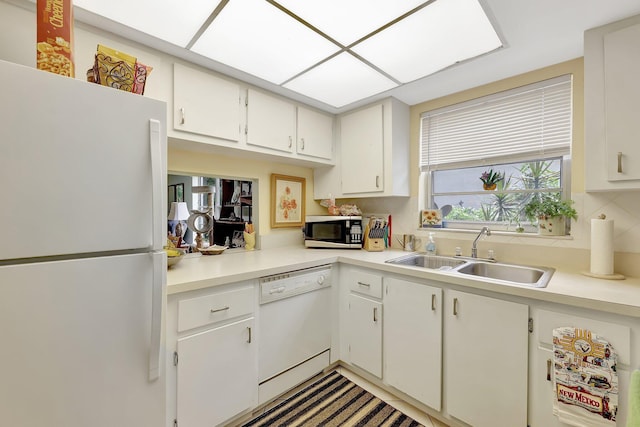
(565, 287)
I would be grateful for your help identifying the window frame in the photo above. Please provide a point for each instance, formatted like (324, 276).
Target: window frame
(426, 185)
(426, 193)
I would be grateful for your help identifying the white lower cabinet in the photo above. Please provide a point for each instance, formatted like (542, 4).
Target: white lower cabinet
(485, 360)
(413, 340)
(542, 393)
(216, 373)
(212, 373)
(365, 334)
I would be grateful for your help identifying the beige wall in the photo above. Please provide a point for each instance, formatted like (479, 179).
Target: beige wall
(574, 67)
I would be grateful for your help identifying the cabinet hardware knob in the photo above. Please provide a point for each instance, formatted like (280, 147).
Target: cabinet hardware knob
(364, 284)
(249, 330)
(302, 143)
(290, 142)
(377, 181)
(433, 302)
(455, 306)
(182, 115)
(375, 314)
(548, 369)
(217, 310)
(619, 161)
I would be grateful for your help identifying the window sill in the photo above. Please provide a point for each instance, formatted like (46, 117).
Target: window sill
(441, 231)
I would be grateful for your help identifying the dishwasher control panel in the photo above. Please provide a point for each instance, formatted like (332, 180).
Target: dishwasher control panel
(279, 286)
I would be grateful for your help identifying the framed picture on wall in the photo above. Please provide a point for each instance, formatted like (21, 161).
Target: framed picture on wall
(287, 201)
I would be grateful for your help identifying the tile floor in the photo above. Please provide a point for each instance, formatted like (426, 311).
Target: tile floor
(383, 395)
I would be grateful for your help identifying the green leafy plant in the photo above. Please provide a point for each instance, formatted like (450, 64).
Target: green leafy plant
(548, 206)
(490, 177)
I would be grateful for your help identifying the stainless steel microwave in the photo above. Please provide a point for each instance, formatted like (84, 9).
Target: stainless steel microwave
(326, 231)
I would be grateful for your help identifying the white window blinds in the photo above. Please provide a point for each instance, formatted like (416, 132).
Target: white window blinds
(529, 121)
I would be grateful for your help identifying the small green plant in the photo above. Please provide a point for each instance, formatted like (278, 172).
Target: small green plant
(490, 177)
(548, 206)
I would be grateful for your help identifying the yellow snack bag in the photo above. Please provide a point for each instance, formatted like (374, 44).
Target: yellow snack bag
(114, 69)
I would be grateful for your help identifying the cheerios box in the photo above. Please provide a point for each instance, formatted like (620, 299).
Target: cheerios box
(55, 36)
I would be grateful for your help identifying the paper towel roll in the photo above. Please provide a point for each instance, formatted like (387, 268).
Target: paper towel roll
(602, 246)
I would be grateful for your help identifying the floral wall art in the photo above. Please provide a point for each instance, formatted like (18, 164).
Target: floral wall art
(287, 201)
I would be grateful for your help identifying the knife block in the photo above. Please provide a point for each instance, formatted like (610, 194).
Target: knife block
(373, 245)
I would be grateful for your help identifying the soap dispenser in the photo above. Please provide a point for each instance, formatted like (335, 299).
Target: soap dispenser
(431, 245)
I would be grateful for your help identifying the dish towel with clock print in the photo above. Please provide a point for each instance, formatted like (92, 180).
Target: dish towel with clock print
(585, 378)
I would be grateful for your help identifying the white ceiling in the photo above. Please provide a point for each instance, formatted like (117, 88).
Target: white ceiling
(535, 34)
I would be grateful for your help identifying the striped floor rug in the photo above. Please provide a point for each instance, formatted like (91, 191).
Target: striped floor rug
(333, 401)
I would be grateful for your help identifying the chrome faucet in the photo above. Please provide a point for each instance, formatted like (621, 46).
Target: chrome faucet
(474, 249)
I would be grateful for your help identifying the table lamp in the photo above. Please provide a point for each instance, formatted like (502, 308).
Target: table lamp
(178, 212)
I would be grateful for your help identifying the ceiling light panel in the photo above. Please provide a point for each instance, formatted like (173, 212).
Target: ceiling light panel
(349, 21)
(169, 20)
(439, 35)
(340, 81)
(258, 38)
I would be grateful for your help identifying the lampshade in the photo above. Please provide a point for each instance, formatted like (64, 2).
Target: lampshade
(178, 211)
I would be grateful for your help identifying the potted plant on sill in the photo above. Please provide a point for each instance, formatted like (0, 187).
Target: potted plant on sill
(552, 214)
(490, 179)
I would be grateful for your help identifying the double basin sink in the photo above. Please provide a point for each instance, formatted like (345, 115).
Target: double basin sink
(537, 277)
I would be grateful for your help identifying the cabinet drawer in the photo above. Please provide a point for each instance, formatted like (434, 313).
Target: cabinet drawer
(366, 284)
(214, 308)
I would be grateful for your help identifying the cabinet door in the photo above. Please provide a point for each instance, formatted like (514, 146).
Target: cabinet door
(413, 340)
(365, 334)
(315, 134)
(362, 154)
(485, 360)
(542, 389)
(622, 103)
(271, 122)
(205, 104)
(217, 374)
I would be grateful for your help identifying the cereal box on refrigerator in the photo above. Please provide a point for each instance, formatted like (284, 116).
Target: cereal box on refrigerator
(55, 37)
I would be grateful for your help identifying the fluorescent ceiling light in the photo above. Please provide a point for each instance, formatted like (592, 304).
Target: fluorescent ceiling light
(169, 20)
(438, 36)
(313, 47)
(340, 81)
(258, 38)
(349, 21)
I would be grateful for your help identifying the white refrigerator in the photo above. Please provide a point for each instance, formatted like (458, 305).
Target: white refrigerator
(82, 272)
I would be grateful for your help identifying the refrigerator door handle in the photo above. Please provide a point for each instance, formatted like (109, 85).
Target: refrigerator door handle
(157, 178)
(157, 303)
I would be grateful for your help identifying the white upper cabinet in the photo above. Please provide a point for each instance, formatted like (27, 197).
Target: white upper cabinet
(612, 106)
(314, 134)
(372, 154)
(208, 110)
(204, 104)
(276, 124)
(362, 150)
(271, 122)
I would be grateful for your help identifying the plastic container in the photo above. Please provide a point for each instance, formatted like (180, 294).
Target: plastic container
(430, 247)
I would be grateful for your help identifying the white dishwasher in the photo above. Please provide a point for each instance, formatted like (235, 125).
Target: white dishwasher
(294, 333)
